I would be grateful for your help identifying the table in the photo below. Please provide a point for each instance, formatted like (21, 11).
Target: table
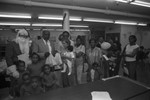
(119, 88)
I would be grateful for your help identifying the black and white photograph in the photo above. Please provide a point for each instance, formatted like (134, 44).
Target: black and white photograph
(74, 49)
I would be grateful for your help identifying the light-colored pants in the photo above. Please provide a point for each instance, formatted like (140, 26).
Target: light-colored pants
(79, 73)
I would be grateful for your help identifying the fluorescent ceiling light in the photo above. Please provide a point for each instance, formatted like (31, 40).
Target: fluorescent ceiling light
(79, 26)
(57, 17)
(125, 22)
(98, 20)
(139, 4)
(47, 24)
(80, 30)
(135, 2)
(72, 18)
(15, 24)
(142, 24)
(124, 1)
(14, 15)
(50, 17)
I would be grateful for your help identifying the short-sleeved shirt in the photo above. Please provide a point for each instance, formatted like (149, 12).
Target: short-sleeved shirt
(80, 48)
(94, 55)
(50, 78)
(129, 50)
(19, 80)
(36, 69)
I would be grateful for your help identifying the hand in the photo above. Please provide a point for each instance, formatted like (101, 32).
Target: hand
(54, 52)
(46, 54)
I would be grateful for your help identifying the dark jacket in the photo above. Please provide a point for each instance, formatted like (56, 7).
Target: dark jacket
(12, 51)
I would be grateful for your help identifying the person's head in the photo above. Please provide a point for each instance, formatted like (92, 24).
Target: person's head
(132, 39)
(35, 81)
(20, 66)
(95, 65)
(141, 48)
(60, 38)
(78, 40)
(66, 35)
(70, 48)
(46, 69)
(66, 43)
(35, 57)
(101, 39)
(111, 41)
(22, 36)
(26, 78)
(92, 43)
(38, 37)
(46, 35)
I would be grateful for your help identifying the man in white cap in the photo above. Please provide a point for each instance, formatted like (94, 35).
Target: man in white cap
(16, 50)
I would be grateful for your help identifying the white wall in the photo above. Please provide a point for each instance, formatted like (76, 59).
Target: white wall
(143, 36)
(113, 29)
(126, 31)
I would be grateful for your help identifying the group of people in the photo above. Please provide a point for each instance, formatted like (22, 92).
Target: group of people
(40, 66)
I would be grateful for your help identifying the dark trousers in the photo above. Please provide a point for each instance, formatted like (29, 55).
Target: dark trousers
(14, 89)
(131, 66)
(68, 80)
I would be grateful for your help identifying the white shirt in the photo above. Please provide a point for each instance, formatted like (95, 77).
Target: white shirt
(129, 50)
(80, 48)
(49, 45)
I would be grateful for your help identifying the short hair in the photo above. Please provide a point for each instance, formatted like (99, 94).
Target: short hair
(66, 32)
(70, 48)
(79, 37)
(92, 40)
(133, 36)
(34, 53)
(19, 62)
(43, 67)
(25, 74)
(95, 64)
(141, 47)
(44, 31)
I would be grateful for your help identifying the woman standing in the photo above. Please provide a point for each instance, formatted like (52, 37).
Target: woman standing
(130, 52)
(67, 79)
(79, 51)
(93, 55)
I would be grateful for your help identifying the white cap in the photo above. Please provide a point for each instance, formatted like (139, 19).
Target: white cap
(22, 32)
(105, 45)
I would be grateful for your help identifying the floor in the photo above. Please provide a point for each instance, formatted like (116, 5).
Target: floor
(143, 76)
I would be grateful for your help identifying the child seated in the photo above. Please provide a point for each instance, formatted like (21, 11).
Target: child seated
(36, 86)
(25, 88)
(68, 62)
(48, 78)
(31, 85)
(21, 69)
